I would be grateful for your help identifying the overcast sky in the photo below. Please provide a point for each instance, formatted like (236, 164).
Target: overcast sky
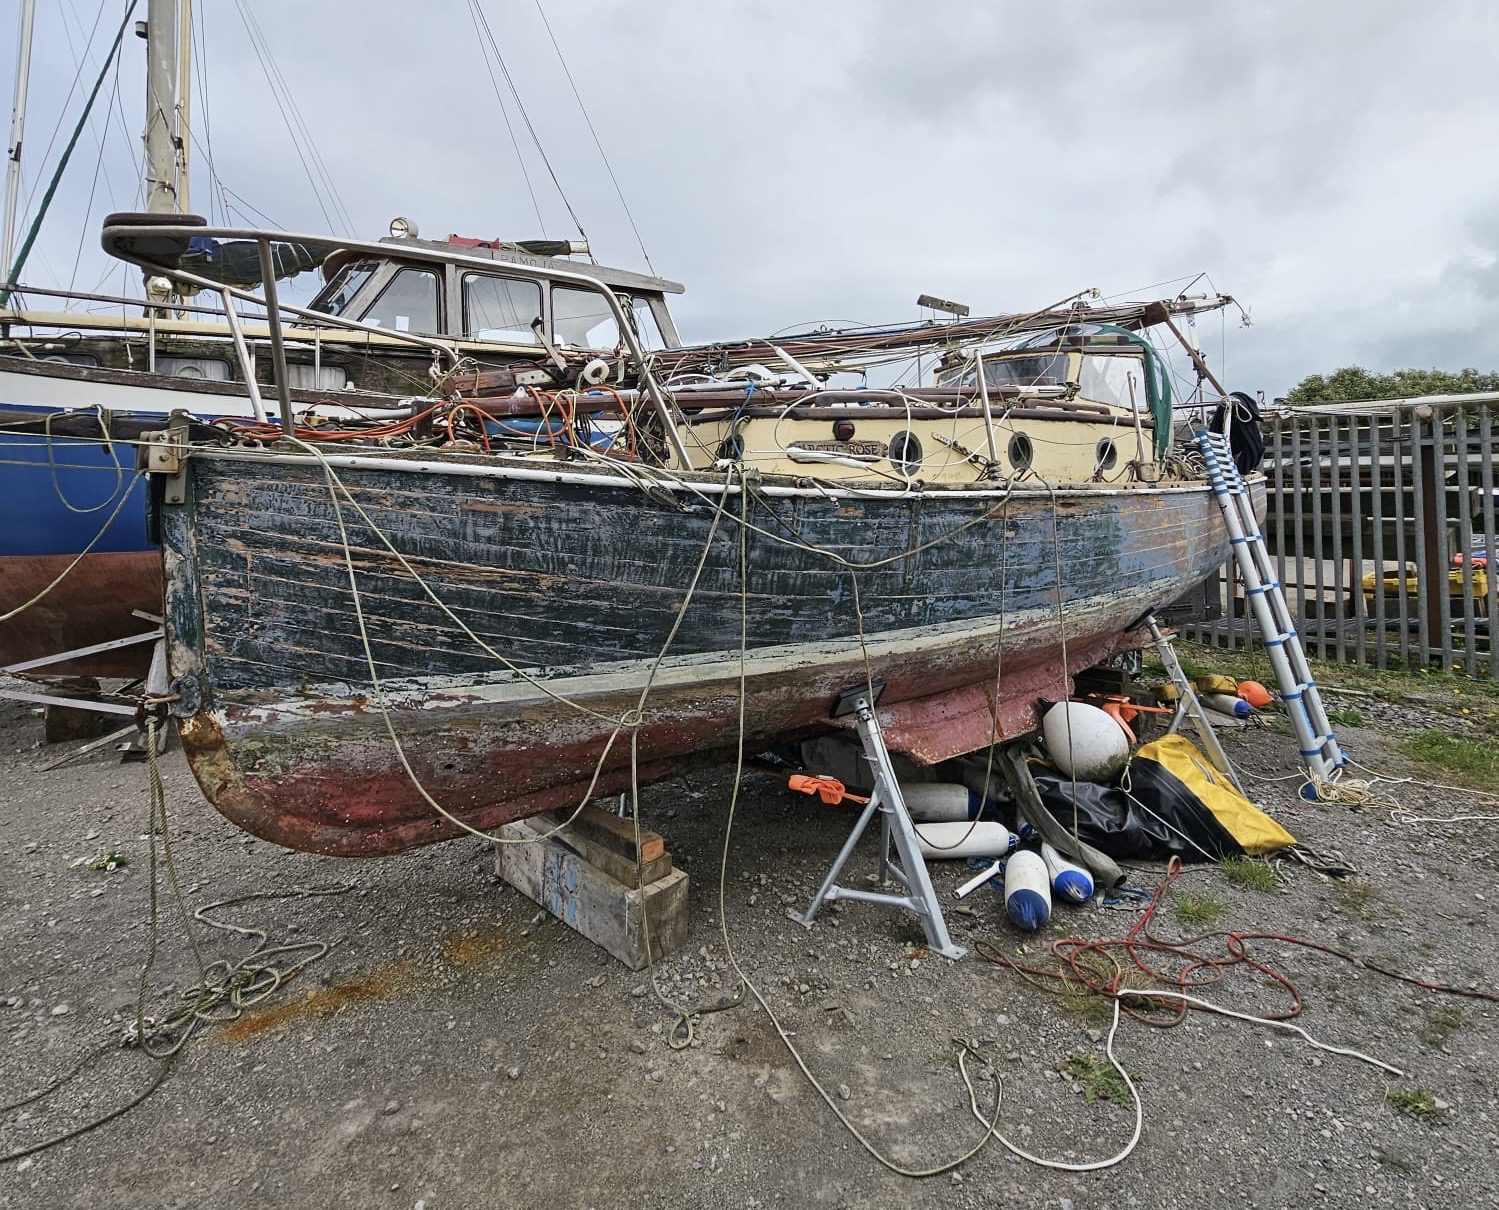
(1329, 162)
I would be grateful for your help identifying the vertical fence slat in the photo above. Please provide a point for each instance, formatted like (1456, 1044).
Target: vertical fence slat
(1420, 468)
(1376, 500)
(1335, 494)
(1278, 499)
(1460, 434)
(1440, 554)
(1486, 477)
(1318, 575)
(1403, 438)
(1354, 587)
(1298, 538)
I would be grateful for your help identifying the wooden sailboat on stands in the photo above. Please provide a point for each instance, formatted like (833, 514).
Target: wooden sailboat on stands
(374, 638)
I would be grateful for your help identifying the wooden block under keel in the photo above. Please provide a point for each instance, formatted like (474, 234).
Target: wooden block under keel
(618, 917)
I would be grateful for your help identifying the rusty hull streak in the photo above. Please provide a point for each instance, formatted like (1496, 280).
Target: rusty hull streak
(341, 792)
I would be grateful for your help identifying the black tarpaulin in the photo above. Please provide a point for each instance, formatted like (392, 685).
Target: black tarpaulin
(1156, 818)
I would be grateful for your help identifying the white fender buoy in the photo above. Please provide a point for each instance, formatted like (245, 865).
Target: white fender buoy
(1027, 890)
(1069, 881)
(1234, 707)
(936, 802)
(1084, 741)
(957, 838)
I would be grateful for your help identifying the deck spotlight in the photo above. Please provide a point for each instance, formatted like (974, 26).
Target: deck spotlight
(932, 302)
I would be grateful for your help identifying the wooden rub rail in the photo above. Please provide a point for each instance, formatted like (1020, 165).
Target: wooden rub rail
(1381, 524)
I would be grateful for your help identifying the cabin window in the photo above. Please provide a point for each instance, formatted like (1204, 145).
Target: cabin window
(408, 304)
(206, 369)
(1021, 453)
(1043, 370)
(335, 297)
(1109, 378)
(583, 318)
(905, 452)
(646, 327)
(316, 378)
(1032, 370)
(500, 308)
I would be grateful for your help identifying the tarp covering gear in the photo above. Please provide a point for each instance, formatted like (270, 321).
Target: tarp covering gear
(1255, 832)
(1245, 440)
(237, 262)
(1173, 804)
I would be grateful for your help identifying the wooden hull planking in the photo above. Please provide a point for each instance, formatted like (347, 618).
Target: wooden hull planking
(577, 579)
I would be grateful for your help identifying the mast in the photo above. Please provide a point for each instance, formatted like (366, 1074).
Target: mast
(17, 131)
(184, 103)
(161, 68)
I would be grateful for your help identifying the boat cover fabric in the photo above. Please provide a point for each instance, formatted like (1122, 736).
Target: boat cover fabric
(1171, 803)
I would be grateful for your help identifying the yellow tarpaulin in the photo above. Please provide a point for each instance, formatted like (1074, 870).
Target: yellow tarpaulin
(1255, 831)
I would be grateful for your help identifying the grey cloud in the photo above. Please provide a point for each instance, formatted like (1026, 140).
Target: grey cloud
(1326, 162)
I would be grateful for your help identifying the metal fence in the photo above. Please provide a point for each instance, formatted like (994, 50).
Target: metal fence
(1380, 519)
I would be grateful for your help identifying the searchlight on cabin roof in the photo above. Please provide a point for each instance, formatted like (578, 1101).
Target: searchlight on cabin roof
(933, 303)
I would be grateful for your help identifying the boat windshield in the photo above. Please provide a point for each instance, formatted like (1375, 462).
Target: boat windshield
(335, 297)
(1114, 378)
(1044, 370)
(582, 319)
(1031, 370)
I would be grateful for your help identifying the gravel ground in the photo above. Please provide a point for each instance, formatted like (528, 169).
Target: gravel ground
(455, 1049)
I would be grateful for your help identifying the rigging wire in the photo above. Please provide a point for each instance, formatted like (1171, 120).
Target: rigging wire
(245, 208)
(14, 272)
(494, 48)
(603, 155)
(509, 125)
(116, 113)
(62, 114)
(88, 210)
(311, 159)
(205, 146)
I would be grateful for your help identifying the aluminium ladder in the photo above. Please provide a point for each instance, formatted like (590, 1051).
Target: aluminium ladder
(1298, 689)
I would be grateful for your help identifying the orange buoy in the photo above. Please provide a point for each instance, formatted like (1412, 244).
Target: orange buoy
(1255, 694)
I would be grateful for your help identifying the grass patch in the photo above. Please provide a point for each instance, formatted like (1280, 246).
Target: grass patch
(1345, 717)
(1248, 872)
(1087, 1008)
(1466, 759)
(1413, 1102)
(1395, 1161)
(1098, 1081)
(1440, 1026)
(1199, 909)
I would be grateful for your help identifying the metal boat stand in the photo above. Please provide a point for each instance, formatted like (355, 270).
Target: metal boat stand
(920, 898)
(94, 705)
